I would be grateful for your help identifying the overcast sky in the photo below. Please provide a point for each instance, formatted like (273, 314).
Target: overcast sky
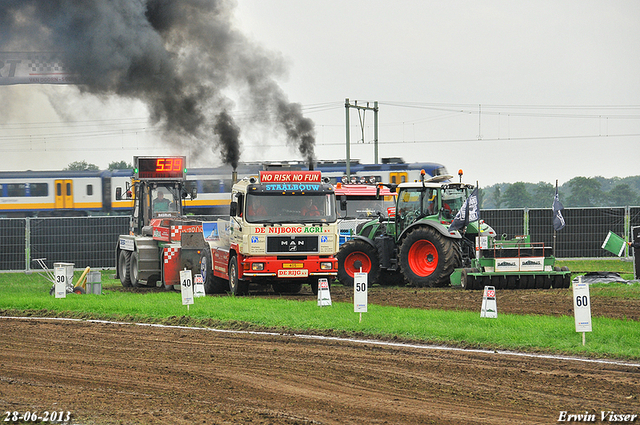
(506, 90)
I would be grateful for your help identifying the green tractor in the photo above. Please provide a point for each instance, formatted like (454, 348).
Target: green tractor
(414, 246)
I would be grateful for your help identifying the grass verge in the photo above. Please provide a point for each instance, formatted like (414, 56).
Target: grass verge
(29, 295)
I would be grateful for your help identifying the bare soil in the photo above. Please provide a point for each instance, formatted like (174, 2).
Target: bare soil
(106, 373)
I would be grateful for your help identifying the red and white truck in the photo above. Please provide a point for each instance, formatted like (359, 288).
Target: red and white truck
(281, 231)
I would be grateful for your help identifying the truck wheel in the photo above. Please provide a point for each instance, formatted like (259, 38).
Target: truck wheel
(427, 258)
(124, 260)
(354, 255)
(212, 284)
(236, 286)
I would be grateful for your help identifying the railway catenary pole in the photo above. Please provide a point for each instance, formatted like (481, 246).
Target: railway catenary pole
(375, 108)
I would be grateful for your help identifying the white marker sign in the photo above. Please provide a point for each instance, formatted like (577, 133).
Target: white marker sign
(582, 306)
(198, 286)
(186, 287)
(360, 292)
(489, 305)
(324, 295)
(60, 286)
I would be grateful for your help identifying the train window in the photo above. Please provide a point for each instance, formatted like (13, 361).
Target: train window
(211, 186)
(89, 190)
(19, 189)
(39, 189)
(227, 184)
(58, 189)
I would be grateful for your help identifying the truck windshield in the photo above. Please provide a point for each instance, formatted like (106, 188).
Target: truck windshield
(275, 208)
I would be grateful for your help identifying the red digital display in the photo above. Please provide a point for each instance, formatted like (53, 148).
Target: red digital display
(154, 168)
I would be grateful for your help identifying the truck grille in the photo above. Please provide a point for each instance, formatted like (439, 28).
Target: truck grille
(292, 244)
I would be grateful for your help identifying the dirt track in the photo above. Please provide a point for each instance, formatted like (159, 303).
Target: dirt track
(110, 373)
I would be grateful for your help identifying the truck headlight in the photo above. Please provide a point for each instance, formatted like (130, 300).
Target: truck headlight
(325, 266)
(257, 267)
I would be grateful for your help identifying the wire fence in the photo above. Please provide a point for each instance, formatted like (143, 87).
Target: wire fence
(91, 241)
(84, 241)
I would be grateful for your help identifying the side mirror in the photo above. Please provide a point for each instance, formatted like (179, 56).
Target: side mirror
(118, 193)
(194, 192)
(343, 202)
(233, 209)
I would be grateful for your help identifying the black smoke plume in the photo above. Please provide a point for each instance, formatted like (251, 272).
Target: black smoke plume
(177, 56)
(229, 134)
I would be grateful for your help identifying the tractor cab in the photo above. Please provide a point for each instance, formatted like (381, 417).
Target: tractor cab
(157, 189)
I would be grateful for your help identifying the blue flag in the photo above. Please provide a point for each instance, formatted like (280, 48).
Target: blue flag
(469, 212)
(558, 219)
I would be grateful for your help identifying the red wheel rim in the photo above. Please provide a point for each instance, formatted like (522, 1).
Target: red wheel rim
(354, 261)
(423, 258)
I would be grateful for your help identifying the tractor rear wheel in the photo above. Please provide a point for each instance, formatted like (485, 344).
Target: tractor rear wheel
(427, 258)
(124, 260)
(355, 255)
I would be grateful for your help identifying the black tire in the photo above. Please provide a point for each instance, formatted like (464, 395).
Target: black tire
(313, 282)
(527, 281)
(78, 290)
(567, 277)
(124, 260)
(484, 281)
(133, 270)
(540, 281)
(427, 258)
(356, 254)
(212, 284)
(467, 281)
(236, 286)
(512, 281)
(499, 281)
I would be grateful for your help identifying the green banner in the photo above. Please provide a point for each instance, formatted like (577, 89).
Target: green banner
(614, 243)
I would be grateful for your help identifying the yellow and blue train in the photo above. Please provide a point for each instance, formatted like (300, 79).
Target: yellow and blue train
(84, 193)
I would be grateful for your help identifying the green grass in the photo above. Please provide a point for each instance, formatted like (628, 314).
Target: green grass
(613, 264)
(23, 294)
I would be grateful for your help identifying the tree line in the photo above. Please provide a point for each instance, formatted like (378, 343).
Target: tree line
(577, 192)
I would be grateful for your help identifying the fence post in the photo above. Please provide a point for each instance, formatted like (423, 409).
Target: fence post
(27, 244)
(627, 229)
